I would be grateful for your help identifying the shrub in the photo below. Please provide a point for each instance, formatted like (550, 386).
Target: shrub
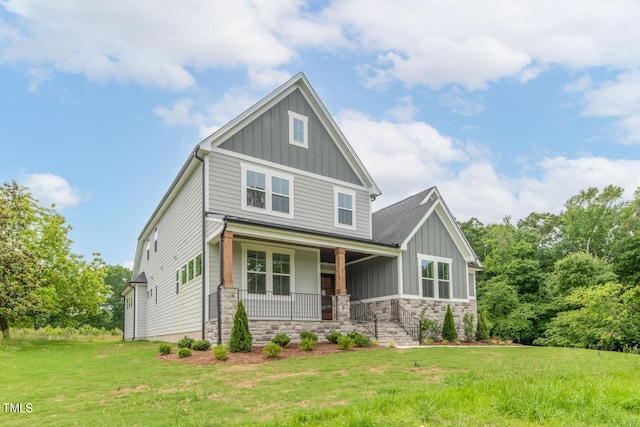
(281, 339)
(185, 342)
(165, 348)
(308, 344)
(484, 328)
(468, 321)
(220, 352)
(449, 331)
(184, 352)
(344, 342)
(392, 343)
(310, 335)
(241, 338)
(430, 328)
(272, 350)
(361, 340)
(333, 337)
(201, 345)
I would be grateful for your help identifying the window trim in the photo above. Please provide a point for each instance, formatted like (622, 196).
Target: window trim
(269, 250)
(436, 279)
(336, 208)
(269, 175)
(471, 273)
(305, 130)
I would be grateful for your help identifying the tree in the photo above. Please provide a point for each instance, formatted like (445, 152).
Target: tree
(111, 312)
(483, 331)
(38, 272)
(241, 339)
(449, 331)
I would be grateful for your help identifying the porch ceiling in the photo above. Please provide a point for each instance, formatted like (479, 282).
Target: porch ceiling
(328, 256)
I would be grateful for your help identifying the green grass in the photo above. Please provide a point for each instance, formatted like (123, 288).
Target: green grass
(116, 384)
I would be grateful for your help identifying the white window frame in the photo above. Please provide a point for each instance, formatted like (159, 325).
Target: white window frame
(269, 174)
(436, 280)
(305, 130)
(471, 284)
(336, 208)
(269, 250)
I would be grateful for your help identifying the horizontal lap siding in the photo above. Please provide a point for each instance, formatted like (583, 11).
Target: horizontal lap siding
(374, 278)
(128, 319)
(179, 240)
(434, 239)
(313, 200)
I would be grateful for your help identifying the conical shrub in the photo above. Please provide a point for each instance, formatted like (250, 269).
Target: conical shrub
(483, 328)
(241, 339)
(449, 331)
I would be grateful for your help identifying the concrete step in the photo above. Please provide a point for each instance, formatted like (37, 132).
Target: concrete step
(388, 331)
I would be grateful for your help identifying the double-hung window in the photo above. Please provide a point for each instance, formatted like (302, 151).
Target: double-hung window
(345, 208)
(268, 270)
(266, 191)
(435, 277)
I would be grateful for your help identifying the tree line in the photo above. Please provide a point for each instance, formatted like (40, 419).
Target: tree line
(567, 279)
(42, 282)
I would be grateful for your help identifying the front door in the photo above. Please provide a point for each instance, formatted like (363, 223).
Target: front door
(327, 290)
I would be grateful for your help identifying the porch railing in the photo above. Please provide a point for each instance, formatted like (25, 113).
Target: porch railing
(363, 314)
(268, 305)
(406, 320)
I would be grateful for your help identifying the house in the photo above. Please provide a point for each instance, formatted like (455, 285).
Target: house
(275, 209)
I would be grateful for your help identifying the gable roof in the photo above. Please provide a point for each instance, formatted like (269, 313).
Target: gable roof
(299, 82)
(398, 223)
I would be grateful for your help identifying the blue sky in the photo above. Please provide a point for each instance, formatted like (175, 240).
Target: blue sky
(508, 107)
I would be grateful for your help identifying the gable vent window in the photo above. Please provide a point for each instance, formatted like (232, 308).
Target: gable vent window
(267, 192)
(298, 130)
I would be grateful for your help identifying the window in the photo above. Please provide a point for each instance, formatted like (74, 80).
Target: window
(435, 277)
(183, 274)
(156, 295)
(298, 130)
(191, 269)
(267, 192)
(199, 265)
(268, 270)
(148, 247)
(345, 208)
(472, 284)
(177, 281)
(155, 240)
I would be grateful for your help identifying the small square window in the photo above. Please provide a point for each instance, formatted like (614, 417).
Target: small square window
(298, 130)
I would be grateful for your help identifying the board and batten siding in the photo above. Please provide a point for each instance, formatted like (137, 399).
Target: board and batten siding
(433, 239)
(313, 199)
(267, 138)
(179, 240)
(373, 278)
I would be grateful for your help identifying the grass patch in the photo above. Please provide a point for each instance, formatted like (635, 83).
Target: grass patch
(122, 383)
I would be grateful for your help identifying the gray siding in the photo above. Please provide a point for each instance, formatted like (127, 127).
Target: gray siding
(313, 199)
(267, 138)
(128, 319)
(373, 278)
(179, 240)
(433, 239)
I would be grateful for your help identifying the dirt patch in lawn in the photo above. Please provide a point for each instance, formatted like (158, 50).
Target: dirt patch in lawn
(257, 356)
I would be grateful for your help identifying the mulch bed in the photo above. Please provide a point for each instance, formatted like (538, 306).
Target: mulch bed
(257, 356)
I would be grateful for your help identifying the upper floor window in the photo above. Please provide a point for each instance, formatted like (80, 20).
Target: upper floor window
(435, 277)
(298, 130)
(345, 208)
(148, 247)
(267, 192)
(472, 284)
(155, 240)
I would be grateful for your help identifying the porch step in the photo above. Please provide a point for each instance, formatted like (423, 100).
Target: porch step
(388, 331)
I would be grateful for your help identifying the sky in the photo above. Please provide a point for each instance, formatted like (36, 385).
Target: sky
(507, 107)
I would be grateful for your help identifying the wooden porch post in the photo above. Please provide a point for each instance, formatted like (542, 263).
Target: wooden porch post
(227, 257)
(341, 280)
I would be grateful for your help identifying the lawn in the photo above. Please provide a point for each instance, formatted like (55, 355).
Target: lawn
(117, 384)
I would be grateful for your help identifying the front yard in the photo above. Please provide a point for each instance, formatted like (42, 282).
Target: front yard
(118, 383)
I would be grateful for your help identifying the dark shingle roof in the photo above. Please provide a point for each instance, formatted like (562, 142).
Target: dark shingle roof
(140, 278)
(393, 224)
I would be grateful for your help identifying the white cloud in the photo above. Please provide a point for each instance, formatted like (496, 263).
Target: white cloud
(405, 158)
(404, 111)
(51, 189)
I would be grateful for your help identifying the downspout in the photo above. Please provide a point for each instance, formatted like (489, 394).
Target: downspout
(219, 300)
(204, 231)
